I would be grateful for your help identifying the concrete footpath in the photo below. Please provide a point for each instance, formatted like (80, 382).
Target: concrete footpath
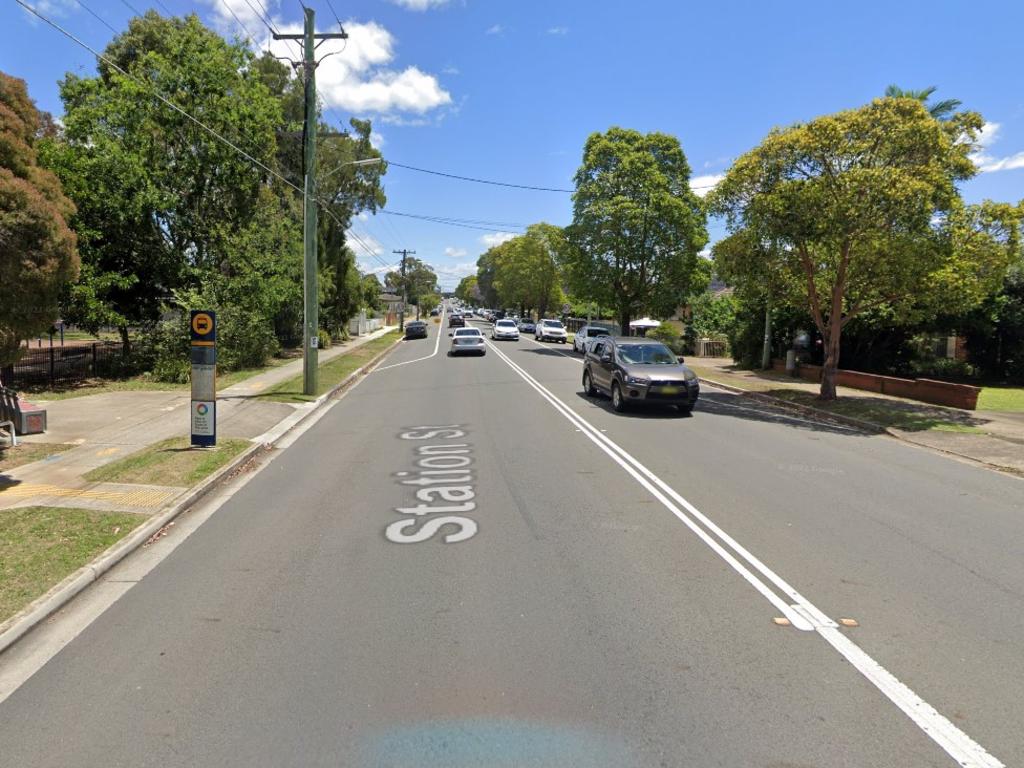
(993, 438)
(110, 426)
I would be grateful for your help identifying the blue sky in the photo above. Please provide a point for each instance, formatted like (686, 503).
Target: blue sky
(510, 89)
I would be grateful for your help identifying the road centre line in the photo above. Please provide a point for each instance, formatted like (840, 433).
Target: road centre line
(802, 614)
(437, 346)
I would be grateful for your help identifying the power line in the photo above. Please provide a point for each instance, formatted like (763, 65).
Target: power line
(167, 10)
(260, 15)
(502, 183)
(127, 5)
(245, 29)
(438, 220)
(479, 181)
(102, 21)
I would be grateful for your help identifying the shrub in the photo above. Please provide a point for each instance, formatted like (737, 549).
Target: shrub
(666, 333)
(324, 338)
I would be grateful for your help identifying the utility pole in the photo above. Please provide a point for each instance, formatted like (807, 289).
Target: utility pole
(310, 289)
(405, 289)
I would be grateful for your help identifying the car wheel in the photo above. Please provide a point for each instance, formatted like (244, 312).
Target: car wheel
(618, 401)
(684, 410)
(588, 385)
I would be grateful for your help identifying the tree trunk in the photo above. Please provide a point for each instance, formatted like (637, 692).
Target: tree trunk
(624, 318)
(831, 366)
(766, 350)
(126, 344)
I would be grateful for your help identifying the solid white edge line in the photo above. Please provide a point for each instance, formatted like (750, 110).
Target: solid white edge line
(437, 346)
(944, 733)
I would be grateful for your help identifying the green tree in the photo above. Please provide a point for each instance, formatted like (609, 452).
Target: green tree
(161, 201)
(371, 289)
(485, 269)
(420, 280)
(38, 256)
(637, 226)
(864, 208)
(467, 290)
(940, 110)
(526, 273)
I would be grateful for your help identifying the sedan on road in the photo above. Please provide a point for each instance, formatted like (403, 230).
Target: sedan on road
(417, 329)
(456, 321)
(585, 335)
(636, 370)
(505, 329)
(526, 326)
(467, 341)
(552, 330)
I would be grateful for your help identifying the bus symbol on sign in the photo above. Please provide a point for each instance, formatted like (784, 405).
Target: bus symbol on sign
(202, 323)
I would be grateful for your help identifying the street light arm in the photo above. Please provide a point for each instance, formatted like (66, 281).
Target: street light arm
(357, 163)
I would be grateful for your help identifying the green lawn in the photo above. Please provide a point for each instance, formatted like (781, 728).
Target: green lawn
(332, 372)
(26, 453)
(1001, 399)
(40, 546)
(900, 414)
(143, 383)
(169, 462)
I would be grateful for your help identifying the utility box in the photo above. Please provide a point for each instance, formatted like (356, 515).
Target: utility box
(791, 362)
(28, 419)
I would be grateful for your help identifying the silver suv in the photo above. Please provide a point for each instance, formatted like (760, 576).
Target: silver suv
(552, 330)
(636, 370)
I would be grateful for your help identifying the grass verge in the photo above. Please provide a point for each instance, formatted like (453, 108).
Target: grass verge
(898, 414)
(169, 462)
(143, 383)
(40, 546)
(26, 453)
(332, 372)
(1001, 399)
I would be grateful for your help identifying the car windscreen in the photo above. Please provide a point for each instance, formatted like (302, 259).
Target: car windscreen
(553, 323)
(647, 354)
(467, 332)
(506, 324)
(598, 332)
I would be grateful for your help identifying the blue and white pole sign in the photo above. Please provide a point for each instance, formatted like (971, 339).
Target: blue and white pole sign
(203, 325)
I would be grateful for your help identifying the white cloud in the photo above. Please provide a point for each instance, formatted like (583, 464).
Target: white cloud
(987, 163)
(365, 242)
(376, 140)
(497, 29)
(454, 253)
(357, 77)
(496, 238)
(455, 272)
(420, 5)
(701, 185)
(557, 31)
(450, 70)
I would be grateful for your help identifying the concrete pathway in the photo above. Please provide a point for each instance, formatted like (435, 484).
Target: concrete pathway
(1000, 444)
(109, 426)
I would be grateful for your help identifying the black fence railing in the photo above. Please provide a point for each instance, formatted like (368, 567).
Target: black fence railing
(62, 366)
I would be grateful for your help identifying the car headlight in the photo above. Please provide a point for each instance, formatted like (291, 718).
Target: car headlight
(689, 375)
(642, 380)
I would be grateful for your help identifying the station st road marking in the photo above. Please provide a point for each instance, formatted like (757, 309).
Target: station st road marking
(445, 486)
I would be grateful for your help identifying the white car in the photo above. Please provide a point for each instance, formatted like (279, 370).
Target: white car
(505, 329)
(585, 335)
(551, 330)
(467, 341)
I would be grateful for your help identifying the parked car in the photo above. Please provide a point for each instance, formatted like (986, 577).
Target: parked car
(455, 320)
(435, 312)
(637, 370)
(467, 341)
(526, 326)
(550, 329)
(505, 329)
(416, 329)
(586, 334)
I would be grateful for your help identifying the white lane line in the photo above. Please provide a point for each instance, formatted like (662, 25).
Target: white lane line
(437, 345)
(802, 615)
(563, 354)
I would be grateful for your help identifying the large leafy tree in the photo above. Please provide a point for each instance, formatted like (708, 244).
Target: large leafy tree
(864, 210)
(38, 256)
(162, 201)
(419, 281)
(468, 290)
(526, 273)
(637, 226)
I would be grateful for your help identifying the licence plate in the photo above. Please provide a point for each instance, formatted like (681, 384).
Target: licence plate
(670, 390)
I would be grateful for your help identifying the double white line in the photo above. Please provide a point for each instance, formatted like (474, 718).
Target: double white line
(800, 611)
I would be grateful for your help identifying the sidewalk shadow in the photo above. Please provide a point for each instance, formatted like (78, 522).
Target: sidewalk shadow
(728, 405)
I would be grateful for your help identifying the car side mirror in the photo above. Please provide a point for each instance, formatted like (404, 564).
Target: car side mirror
(451, 333)
(606, 357)
(681, 359)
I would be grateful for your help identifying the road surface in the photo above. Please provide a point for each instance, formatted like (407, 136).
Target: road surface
(607, 595)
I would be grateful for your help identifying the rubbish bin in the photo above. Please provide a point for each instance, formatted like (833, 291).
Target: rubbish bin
(791, 362)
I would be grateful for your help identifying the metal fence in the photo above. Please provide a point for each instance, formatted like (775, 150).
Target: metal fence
(61, 366)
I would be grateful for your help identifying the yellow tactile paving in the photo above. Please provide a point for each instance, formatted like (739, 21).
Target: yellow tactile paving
(144, 497)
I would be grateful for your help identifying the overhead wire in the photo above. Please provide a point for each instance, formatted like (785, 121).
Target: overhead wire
(102, 21)
(128, 5)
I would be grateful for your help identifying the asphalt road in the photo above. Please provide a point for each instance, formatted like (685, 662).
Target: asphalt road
(606, 596)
